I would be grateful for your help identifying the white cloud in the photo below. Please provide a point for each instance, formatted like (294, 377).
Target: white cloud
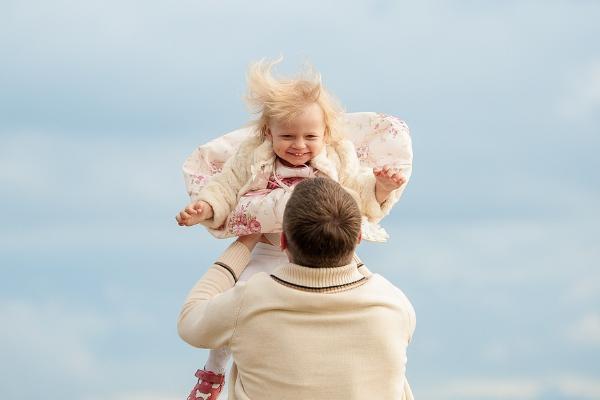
(580, 387)
(582, 98)
(131, 191)
(48, 337)
(25, 163)
(586, 331)
(583, 290)
(498, 352)
(136, 395)
(494, 252)
(525, 388)
(484, 388)
(62, 347)
(91, 170)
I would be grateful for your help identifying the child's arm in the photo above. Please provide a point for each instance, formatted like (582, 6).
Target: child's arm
(194, 213)
(215, 200)
(377, 189)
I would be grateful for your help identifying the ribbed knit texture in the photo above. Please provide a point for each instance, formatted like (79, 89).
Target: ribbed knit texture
(293, 343)
(319, 279)
(236, 257)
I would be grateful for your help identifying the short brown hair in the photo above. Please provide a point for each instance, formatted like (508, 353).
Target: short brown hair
(321, 223)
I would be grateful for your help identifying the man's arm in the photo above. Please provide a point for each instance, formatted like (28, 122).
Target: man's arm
(207, 318)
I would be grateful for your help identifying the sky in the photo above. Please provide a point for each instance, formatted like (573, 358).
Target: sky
(495, 240)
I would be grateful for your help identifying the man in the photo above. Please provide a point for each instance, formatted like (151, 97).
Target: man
(321, 326)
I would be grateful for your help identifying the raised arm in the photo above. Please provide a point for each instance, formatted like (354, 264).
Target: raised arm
(221, 191)
(206, 321)
(376, 190)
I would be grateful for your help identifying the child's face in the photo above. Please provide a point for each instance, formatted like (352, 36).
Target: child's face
(300, 140)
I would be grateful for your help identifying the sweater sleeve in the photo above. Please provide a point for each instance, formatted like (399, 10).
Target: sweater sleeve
(407, 391)
(222, 190)
(208, 316)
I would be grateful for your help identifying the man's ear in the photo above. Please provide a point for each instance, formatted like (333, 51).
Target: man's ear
(282, 242)
(359, 237)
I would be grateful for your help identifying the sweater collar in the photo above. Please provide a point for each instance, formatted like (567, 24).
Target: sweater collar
(318, 278)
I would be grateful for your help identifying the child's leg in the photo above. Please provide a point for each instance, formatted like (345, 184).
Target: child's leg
(265, 258)
(217, 360)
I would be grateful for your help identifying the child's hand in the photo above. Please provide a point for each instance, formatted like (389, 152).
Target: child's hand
(387, 179)
(194, 213)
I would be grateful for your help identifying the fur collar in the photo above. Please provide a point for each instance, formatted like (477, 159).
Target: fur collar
(323, 162)
(263, 157)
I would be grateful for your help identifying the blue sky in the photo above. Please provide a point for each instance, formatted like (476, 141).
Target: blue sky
(495, 240)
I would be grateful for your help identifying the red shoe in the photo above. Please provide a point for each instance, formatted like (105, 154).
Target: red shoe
(209, 385)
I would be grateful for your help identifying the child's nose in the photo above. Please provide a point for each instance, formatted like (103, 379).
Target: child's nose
(299, 144)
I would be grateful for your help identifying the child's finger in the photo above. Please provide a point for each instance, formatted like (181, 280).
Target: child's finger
(190, 210)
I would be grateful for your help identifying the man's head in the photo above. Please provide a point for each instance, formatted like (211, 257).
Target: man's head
(321, 224)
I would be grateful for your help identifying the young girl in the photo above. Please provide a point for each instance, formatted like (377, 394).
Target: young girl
(296, 138)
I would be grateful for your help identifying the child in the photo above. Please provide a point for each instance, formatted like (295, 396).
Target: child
(297, 138)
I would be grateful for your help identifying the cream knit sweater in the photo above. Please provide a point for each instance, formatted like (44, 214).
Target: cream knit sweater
(303, 333)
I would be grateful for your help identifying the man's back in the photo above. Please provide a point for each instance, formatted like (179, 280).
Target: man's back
(330, 331)
(327, 333)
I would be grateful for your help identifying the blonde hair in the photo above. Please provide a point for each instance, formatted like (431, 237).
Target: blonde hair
(282, 100)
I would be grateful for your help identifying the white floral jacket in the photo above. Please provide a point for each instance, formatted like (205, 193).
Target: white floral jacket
(250, 168)
(379, 139)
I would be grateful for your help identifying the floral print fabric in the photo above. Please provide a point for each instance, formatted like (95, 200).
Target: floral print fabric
(379, 139)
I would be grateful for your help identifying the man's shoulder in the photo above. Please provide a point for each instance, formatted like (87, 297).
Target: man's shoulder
(257, 282)
(379, 284)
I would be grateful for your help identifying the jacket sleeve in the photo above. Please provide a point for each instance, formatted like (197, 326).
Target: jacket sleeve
(361, 180)
(222, 190)
(208, 316)
(358, 179)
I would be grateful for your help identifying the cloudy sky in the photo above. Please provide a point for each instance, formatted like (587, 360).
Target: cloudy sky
(495, 240)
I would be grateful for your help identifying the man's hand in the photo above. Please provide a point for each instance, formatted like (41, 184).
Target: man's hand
(387, 179)
(194, 213)
(250, 240)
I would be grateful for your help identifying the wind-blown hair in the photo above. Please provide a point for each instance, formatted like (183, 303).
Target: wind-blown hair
(283, 99)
